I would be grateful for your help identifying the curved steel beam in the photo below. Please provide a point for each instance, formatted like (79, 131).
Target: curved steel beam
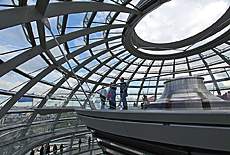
(217, 41)
(89, 74)
(110, 70)
(99, 66)
(190, 73)
(103, 77)
(222, 56)
(158, 78)
(36, 79)
(23, 90)
(115, 16)
(131, 77)
(29, 54)
(42, 6)
(132, 39)
(30, 13)
(220, 24)
(93, 71)
(129, 64)
(143, 81)
(174, 67)
(58, 85)
(210, 73)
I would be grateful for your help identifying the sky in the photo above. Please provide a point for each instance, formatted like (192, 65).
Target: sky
(179, 19)
(173, 21)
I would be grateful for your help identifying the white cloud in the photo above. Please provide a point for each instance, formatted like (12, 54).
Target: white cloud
(9, 84)
(179, 19)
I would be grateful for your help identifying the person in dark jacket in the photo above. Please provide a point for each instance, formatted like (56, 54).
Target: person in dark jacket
(89, 141)
(61, 148)
(103, 96)
(79, 144)
(55, 149)
(48, 148)
(225, 96)
(123, 93)
(112, 95)
(42, 150)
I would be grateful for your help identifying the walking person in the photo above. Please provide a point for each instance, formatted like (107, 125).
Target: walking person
(112, 95)
(48, 149)
(145, 102)
(61, 148)
(123, 93)
(79, 144)
(55, 149)
(89, 141)
(103, 95)
(32, 152)
(42, 150)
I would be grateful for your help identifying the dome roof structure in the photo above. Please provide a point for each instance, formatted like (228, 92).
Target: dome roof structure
(58, 54)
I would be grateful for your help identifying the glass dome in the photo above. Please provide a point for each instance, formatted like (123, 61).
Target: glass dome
(58, 54)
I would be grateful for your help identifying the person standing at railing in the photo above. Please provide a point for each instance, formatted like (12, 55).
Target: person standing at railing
(32, 152)
(123, 93)
(89, 141)
(61, 148)
(55, 149)
(42, 150)
(79, 144)
(48, 148)
(103, 95)
(112, 95)
(145, 102)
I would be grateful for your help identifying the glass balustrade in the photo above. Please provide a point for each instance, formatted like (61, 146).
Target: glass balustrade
(182, 93)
